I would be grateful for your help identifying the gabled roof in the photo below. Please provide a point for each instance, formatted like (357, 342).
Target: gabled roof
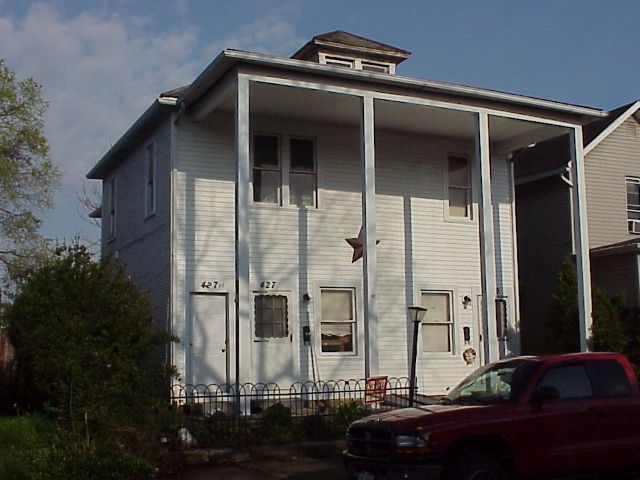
(342, 42)
(551, 156)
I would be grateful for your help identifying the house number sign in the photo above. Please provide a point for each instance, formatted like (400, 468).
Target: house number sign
(268, 285)
(211, 285)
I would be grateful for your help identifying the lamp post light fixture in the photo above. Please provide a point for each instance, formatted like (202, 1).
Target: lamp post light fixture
(416, 314)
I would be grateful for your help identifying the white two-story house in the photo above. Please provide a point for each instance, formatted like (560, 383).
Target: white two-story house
(284, 213)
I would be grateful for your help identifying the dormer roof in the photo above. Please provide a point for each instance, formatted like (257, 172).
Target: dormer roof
(344, 44)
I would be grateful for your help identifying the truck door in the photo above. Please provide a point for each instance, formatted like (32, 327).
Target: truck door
(556, 424)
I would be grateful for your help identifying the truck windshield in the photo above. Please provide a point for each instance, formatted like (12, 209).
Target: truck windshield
(496, 383)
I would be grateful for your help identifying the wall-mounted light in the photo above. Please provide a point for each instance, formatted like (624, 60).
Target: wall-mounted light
(466, 301)
(306, 297)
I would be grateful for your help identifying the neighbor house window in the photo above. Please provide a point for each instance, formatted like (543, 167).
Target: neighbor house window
(112, 209)
(271, 316)
(275, 167)
(459, 187)
(633, 205)
(337, 322)
(150, 186)
(437, 323)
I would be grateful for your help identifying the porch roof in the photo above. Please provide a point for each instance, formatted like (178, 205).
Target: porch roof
(213, 77)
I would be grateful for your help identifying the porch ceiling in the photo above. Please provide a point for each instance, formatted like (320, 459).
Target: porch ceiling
(328, 107)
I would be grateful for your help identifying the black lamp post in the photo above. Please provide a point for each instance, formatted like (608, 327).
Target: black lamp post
(416, 314)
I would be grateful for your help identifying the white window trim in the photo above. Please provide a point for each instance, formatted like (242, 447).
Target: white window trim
(355, 63)
(318, 327)
(150, 181)
(471, 217)
(633, 226)
(453, 294)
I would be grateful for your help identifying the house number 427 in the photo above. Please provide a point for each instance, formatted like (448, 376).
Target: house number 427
(268, 285)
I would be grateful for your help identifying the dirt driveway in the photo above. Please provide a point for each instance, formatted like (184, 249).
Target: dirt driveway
(301, 468)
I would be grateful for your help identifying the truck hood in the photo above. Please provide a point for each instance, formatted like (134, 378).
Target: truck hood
(435, 417)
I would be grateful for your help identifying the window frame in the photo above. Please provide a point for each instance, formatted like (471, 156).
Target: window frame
(468, 188)
(633, 225)
(112, 212)
(353, 322)
(450, 322)
(150, 180)
(285, 171)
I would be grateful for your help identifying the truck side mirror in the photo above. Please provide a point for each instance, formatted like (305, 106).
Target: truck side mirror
(545, 394)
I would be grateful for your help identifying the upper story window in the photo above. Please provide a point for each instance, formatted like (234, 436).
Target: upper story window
(338, 319)
(437, 325)
(459, 187)
(150, 181)
(633, 205)
(357, 63)
(284, 176)
(111, 216)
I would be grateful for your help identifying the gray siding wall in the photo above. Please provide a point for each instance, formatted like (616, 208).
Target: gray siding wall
(142, 242)
(617, 275)
(543, 219)
(606, 167)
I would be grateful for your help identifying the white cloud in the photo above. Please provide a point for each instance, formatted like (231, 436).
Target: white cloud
(100, 71)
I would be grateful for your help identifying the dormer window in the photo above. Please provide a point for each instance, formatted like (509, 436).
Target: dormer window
(357, 63)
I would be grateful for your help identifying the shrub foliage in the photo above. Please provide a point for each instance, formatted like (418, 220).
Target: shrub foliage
(83, 336)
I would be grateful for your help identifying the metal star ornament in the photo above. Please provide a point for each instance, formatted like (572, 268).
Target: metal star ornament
(358, 245)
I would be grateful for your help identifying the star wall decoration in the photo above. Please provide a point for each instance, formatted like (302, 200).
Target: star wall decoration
(358, 245)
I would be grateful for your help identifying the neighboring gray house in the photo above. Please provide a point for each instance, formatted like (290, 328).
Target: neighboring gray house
(544, 207)
(243, 201)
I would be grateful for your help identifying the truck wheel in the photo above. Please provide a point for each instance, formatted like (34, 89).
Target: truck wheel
(475, 467)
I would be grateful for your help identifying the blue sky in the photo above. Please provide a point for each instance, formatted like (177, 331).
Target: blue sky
(102, 62)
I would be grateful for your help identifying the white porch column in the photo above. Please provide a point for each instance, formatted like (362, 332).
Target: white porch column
(242, 201)
(581, 238)
(487, 242)
(370, 263)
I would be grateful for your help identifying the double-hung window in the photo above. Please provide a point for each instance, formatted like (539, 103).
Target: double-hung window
(266, 169)
(337, 322)
(437, 323)
(275, 168)
(633, 204)
(150, 185)
(459, 187)
(271, 316)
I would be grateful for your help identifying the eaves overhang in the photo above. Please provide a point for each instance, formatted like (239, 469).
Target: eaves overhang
(162, 106)
(231, 58)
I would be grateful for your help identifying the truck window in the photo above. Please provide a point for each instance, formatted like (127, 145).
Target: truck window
(571, 381)
(608, 378)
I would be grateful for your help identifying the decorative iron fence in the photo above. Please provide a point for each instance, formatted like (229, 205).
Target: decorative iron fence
(302, 398)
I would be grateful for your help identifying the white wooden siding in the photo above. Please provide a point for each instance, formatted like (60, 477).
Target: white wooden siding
(303, 250)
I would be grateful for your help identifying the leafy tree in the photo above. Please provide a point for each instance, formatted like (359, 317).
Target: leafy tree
(609, 329)
(83, 337)
(28, 178)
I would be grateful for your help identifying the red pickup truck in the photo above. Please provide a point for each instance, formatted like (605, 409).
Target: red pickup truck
(570, 416)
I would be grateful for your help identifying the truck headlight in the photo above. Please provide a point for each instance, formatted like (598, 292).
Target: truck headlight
(411, 444)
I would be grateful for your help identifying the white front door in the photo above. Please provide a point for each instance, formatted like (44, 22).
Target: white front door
(272, 352)
(209, 343)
